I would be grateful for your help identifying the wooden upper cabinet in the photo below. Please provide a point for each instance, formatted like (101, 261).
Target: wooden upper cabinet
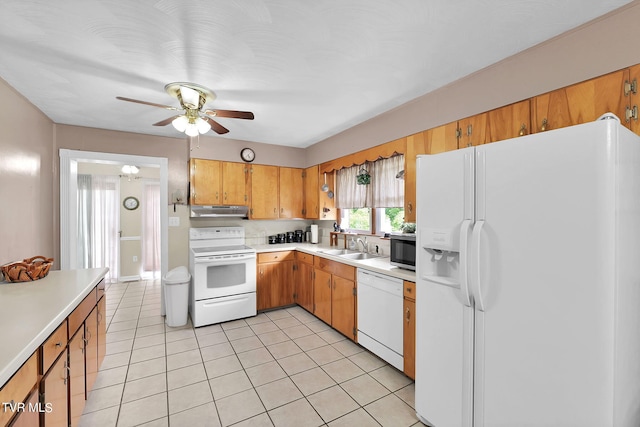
(264, 192)
(582, 102)
(291, 198)
(311, 193)
(473, 131)
(631, 88)
(509, 121)
(442, 138)
(416, 144)
(234, 184)
(205, 181)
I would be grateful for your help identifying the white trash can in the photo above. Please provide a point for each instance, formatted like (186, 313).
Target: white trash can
(176, 292)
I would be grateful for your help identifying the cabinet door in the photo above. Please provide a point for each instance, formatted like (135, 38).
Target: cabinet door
(312, 193)
(234, 184)
(54, 393)
(409, 339)
(91, 349)
(290, 195)
(77, 376)
(28, 418)
(442, 138)
(322, 295)
(634, 98)
(304, 286)
(509, 121)
(18, 387)
(473, 131)
(416, 144)
(266, 281)
(102, 330)
(343, 306)
(284, 288)
(264, 192)
(205, 180)
(582, 102)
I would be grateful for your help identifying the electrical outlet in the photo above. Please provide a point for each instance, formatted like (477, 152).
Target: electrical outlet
(135, 258)
(174, 221)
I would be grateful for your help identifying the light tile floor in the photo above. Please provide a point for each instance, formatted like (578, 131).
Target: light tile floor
(280, 368)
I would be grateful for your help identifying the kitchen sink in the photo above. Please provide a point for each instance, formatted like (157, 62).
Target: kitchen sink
(339, 252)
(359, 255)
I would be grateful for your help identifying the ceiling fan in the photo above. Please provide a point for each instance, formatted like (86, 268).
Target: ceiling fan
(193, 120)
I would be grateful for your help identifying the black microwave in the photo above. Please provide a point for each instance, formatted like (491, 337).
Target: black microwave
(403, 250)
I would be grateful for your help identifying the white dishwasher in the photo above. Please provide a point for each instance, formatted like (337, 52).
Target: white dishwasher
(380, 305)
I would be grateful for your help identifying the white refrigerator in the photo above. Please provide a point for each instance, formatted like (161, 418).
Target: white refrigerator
(528, 281)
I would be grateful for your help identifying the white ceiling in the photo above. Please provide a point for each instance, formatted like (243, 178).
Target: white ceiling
(307, 69)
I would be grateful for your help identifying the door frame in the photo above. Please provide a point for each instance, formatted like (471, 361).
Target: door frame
(69, 204)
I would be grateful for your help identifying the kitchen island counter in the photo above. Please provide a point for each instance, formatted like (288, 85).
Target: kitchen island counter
(31, 311)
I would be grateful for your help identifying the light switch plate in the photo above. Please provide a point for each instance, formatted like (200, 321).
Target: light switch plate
(174, 221)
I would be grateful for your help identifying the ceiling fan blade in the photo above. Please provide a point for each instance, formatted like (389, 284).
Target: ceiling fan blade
(248, 115)
(166, 121)
(217, 127)
(167, 107)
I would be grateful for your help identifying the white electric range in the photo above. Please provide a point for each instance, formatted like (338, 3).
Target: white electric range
(223, 275)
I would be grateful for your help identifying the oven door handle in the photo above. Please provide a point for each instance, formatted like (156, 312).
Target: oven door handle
(223, 259)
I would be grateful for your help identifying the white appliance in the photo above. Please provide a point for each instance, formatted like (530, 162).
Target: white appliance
(528, 307)
(223, 275)
(380, 305)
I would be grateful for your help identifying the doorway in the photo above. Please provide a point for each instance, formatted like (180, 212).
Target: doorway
(69, 218)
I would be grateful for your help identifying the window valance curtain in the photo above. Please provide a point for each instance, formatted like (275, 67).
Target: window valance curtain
(385, 190)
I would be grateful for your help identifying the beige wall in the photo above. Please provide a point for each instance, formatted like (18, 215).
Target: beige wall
(29, 179)
(605, 45)
(26, 179)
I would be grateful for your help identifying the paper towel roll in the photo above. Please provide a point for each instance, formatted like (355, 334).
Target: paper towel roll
(314, 233)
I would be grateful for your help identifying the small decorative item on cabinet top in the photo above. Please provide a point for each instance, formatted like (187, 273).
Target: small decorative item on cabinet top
(28, 270)
(363, 177)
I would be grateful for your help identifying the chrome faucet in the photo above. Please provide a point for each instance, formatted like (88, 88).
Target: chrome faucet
(364, 243)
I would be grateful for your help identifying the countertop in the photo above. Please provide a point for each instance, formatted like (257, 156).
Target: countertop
(381, 265)
(31, 311)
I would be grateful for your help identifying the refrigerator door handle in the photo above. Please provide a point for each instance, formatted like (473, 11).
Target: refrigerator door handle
(476, 282)
(464, 261)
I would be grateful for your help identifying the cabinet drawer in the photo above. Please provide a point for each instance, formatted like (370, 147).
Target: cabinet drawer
(276, 256)
(19, 386)
(409, 290)
(82, 311)
(53, 346)
(100, 290)
(304, 257)
(337, 268)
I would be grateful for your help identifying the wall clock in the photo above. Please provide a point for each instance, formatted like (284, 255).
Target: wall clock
(131, 203)
(247, 154)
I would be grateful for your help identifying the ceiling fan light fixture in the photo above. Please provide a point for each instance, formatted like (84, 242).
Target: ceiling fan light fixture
(180, 123)
(190, 97)
(202, 125)
(192, 130)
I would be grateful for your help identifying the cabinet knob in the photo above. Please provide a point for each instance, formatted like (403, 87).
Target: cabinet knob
(409, 290)
(544, 125)
(410, 206)
(408, 315)
(58, 344)
(523, 130)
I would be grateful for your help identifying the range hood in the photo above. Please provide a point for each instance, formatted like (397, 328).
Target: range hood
(219, 211)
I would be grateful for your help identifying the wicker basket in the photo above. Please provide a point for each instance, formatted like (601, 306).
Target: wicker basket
(28, 270)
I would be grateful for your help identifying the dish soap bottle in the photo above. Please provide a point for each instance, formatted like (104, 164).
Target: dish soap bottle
(352, 244)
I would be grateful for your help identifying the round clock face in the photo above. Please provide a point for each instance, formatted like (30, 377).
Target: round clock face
(131, 203)
(247, 155)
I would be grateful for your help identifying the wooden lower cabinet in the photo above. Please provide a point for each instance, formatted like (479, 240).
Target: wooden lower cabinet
(409, 329)
(102, 329)
(77, 389)
(30, 417)
(322, 295)
(275, 281)
(303, 286)
(334, 297)
(17, 389)
(343, 306)
(54, 393)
